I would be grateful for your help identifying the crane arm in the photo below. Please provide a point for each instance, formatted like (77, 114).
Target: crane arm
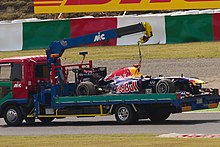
(57, 48)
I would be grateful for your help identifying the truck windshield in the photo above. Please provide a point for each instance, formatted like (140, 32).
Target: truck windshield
(41, 71)
(5, 72)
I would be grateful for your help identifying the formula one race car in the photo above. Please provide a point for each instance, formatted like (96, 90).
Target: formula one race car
(129, 80)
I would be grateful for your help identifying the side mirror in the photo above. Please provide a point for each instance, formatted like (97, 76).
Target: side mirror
(83, 53)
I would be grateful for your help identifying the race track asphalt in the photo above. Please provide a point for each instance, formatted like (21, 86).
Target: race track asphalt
(183, 123)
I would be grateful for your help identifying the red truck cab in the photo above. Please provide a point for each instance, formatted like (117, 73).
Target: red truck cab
(22, 75)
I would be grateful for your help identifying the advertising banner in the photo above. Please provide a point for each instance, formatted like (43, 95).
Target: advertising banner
(189, 28)
(86, 26)
(38, 35)
(216, 26)
(11, 37)
(68, 6)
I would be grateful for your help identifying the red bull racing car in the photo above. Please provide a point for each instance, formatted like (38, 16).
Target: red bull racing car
(129, 80)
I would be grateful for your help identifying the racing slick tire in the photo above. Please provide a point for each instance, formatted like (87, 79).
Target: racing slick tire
(13, 116)
(125, 114)
(165, 86)
(86, 88)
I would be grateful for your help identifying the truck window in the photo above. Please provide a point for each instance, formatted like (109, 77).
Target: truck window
(16, 72)
(41, 71)
(5, 72)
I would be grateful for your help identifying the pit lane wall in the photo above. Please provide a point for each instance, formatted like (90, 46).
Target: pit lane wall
(167, 28)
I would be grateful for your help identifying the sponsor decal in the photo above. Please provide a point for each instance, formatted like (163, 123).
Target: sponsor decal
(47, 2)
(86, 2)
(127, 87)
(100, 2)
(152, 82)
(17, 85)
(129, 1)
(159, 1)
(65, 6)
(99, 37)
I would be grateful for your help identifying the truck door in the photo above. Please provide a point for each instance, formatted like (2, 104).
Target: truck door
(19, 86)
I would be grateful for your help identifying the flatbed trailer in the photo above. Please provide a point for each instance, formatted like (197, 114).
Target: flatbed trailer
(127, 108)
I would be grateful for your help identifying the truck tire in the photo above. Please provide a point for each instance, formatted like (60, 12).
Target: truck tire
(165, 86)
(125, 114)
(158, 115)
(86, 88)
(13, 116)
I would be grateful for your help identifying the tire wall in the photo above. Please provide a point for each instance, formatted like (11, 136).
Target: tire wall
(11, 37)
(191, 28)
(41, 34)
(166, 29)
(84, 26)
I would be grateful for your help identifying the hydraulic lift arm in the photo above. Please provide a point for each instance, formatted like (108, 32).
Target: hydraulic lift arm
(57, 48)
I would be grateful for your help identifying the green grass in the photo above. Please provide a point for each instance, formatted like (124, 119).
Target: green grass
(127, 140)
(170, 51)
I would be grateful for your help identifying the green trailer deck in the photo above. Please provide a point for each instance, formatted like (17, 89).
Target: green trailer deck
(156, 107)
(114, 98)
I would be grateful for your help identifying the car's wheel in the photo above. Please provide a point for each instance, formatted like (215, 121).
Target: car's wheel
(165, 86)
(13, 116)
(46, 119)
(158, 115)
(125, 114)
(86, 88)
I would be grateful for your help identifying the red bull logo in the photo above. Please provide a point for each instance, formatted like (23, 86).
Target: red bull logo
(127, 88)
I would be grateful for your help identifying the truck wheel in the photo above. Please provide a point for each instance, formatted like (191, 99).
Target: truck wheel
(158, 115)
(86, 88)
(125, 114)
(13, 116)
(165, 86)
(46, 119)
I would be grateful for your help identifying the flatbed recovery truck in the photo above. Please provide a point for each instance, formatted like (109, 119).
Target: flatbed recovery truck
(37, 87)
